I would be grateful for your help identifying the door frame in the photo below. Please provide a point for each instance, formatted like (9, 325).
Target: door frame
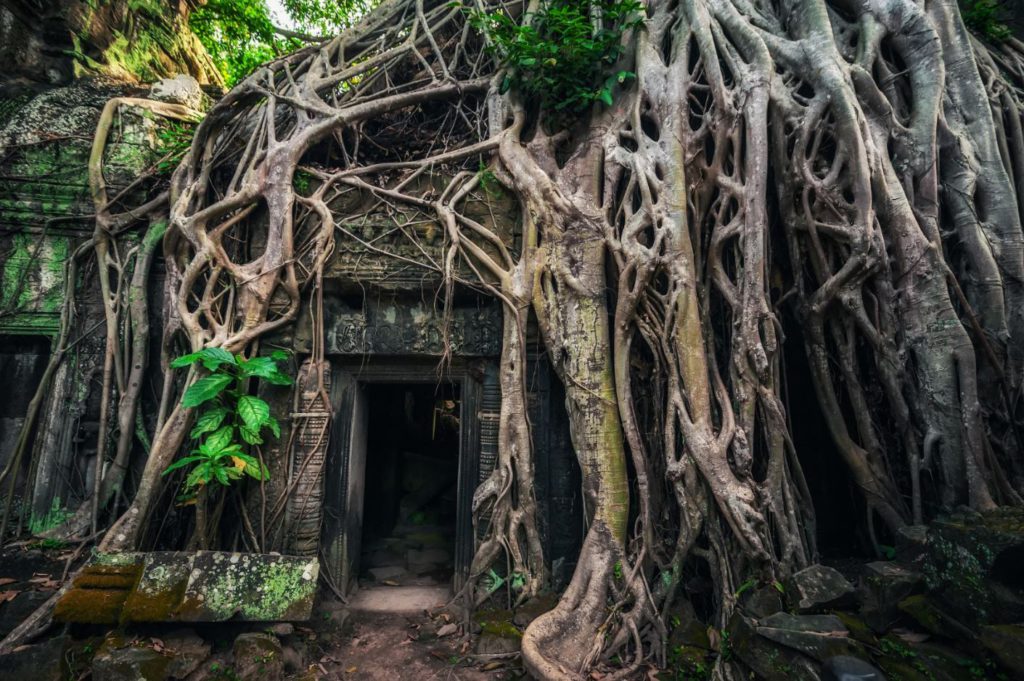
(341, 522)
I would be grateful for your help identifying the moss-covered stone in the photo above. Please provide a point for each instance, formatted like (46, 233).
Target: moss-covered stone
(205, 586)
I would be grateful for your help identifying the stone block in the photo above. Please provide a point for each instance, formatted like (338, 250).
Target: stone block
(817, 588)
(204, 586)
(41, 662)
(258, 657)
(817, 636)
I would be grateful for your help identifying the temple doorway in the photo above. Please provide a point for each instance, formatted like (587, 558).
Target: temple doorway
(411, 484)
(407, 449)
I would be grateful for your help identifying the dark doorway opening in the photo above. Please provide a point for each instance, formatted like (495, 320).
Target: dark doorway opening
(22, 363)
(411, 484)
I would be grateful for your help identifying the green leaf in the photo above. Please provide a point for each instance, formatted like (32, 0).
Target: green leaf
(253, 411)
(209, 421)
(218, 441)
(506, 84)
(180, 463)
(605, 95)
(214, 357)
(277, 378)
(279, 355)
(185, 360)
(200, 475)
(205, 389)
(250, 435)
(261, 367)
(221, 475)
(211, 358)
(274, 426)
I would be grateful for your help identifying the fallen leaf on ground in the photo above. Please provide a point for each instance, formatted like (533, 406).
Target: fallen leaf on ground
(8, 595)
(7, 580)
(447, 630)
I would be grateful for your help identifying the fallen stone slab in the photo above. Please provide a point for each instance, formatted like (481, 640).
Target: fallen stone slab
(817, 636)
(200, 586)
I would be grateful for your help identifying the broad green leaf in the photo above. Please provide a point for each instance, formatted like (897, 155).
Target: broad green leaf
(209, 421)
(200, 475)
(251, 436)
(185, 360)
(205, 389)
(258, 366)
(253, 411)
(213, 357)
(181, 463)
(221, 475)
(277, 378)
(279, 355)
(258, 471)
(219, 440)
(605, 96)
(274, 426)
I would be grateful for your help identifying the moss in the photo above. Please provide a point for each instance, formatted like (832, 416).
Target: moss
(498, 623)
(858, 628)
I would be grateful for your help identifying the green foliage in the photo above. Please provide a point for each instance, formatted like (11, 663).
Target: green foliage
(240, 34)
(561, 57)
(230, 418)
(985, 17)
(301, 182)
(56, 516)
(173, 142)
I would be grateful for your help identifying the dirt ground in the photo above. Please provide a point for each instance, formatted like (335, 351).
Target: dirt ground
(387, 646)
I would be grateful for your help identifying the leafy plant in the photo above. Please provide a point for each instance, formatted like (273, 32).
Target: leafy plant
(985, 17)
(228, 414)
(173, 142)
(561, 56)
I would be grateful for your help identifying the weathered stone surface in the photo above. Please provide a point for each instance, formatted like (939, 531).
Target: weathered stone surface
(847, 668)
(204, 586)
(766, 658)
(130, 663)
(818, 636)
(911, 542)
(187, 651)
(182, 89)
(258, 657)
(762, 602)
(1006, 642)
(883, 586)
(98, 593)
(934, 618)
(817, 588)
(249, 587)
(41, 662)
(973, 565)
(160, 588)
